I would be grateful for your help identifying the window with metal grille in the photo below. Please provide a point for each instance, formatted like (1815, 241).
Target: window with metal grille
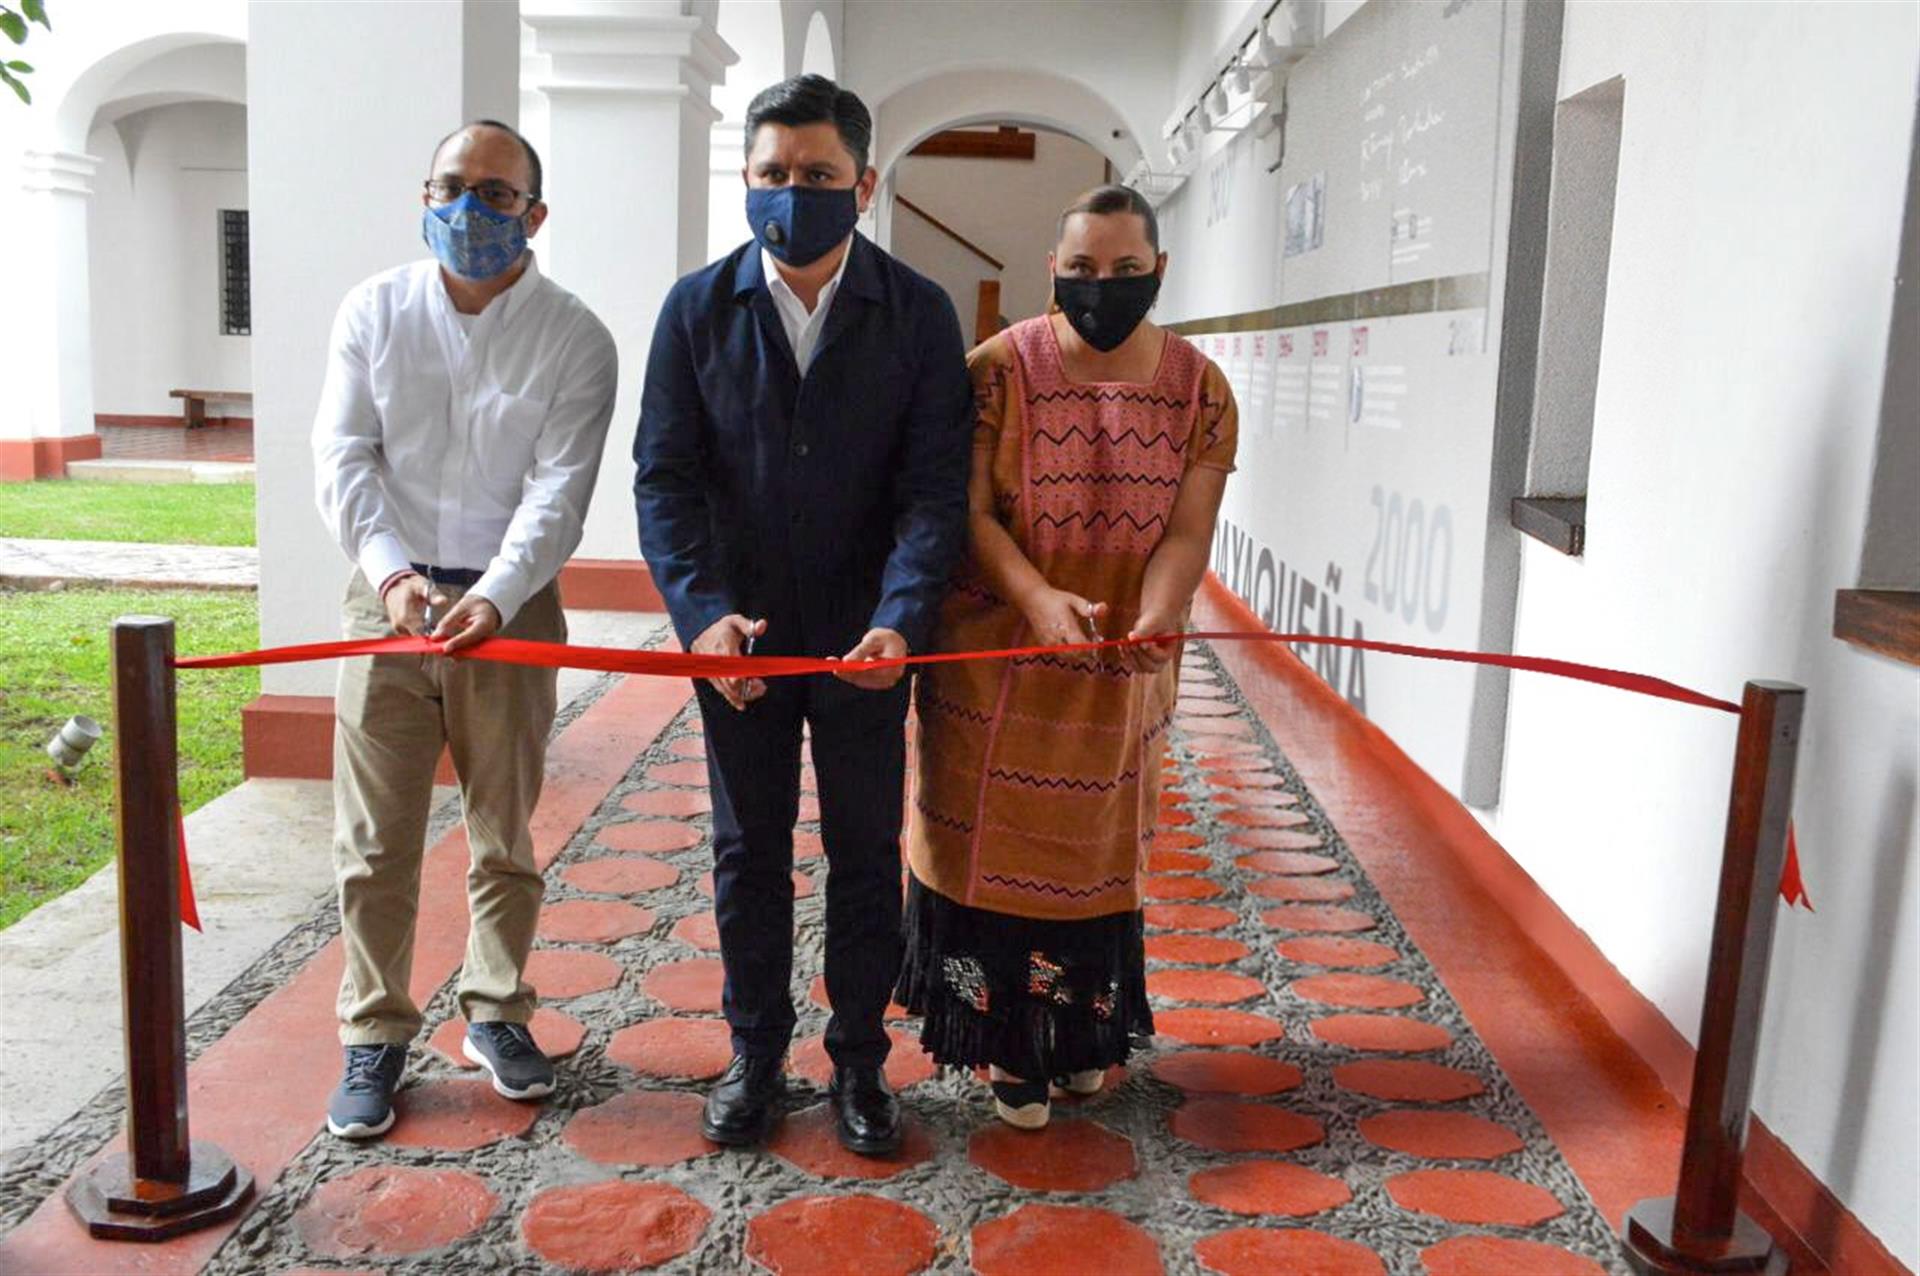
(236, 297)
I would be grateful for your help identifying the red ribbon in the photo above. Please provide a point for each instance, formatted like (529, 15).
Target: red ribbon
(189, 911)
(677, 664)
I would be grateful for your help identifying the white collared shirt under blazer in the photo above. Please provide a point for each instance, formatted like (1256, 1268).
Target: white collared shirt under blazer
(464, 445)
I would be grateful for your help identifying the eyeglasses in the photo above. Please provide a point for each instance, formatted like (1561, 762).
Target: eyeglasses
(496, 195)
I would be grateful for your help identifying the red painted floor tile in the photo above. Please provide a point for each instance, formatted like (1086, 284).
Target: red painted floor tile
(1195, 689)
(692, 984)
(1159, 861)
(621, 874)
(1221, 747)
(1209, 987)
(1287, 863)
(1269, 817)
(641, 1127)
(1180, 886)
(690, 772)
(689, 746)
(668, 802)
(1060, 1240)
(1217, 1027)
(1229, 778)
(616, 1226)
(809, 807)
(1473, 1196)
(802, 885)
(1255, 797)
(558, 1035)
(1189, 916)
(1211, 950)
(698, 930)
(457, 1116)
(1226, 760)
(1268, 1187)
(1362, 992)
(1406, 1080)
(1301, 890)
(1327, 950)
(1390, 1034)
(674, 1049)
(1317, 918)
(1066, 1156)
(559, 973)
(1209, 708)
(807, 846)
(807, 1140)
(388, 1211)
(1267, 1251)
(1275, 839)
(1199, 726)
(1174, 817)
(1226, 1072)
(652, 837)
(817, 991)
(1439, 1136)
(1175, 840)
(907, 1063)
(1495, 1256)
(1235, 1125)
(832, 1235)
(591, 921)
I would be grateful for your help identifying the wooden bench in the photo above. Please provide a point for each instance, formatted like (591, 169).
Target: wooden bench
(197, 400)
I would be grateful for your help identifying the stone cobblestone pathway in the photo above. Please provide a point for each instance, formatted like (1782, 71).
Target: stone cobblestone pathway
(1315, 1101)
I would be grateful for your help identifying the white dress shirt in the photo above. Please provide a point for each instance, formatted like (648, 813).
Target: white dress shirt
(462, 444)
(802, 327)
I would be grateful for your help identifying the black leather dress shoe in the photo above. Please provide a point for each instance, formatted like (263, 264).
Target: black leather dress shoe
(867, 1116)
(740, 1105)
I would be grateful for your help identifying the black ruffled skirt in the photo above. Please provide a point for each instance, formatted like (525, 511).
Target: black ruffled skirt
(1036, 997)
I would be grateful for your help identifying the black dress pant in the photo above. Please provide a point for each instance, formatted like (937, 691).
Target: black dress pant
(753, 765)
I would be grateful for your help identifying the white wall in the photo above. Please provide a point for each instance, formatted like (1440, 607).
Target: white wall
(1763, 169)
(1763, 165)
(1007, 207)
(153, 240)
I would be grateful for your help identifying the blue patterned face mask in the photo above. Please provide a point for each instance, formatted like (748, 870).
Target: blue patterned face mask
(472, 240)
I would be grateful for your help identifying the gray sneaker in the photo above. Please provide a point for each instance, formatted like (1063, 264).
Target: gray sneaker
(362, 1104)
(507, 1051)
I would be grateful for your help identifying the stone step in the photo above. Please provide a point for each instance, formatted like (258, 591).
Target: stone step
(132, 471)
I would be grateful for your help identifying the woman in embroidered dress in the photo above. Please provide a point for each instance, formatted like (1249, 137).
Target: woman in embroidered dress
(1101, 451)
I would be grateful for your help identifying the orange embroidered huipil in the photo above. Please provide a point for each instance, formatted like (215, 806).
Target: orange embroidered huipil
(1038, 778)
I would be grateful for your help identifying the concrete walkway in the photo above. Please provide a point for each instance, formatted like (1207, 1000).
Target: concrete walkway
(37, 564)
(262, 865)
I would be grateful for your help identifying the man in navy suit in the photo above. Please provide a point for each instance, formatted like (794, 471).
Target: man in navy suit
(801, 481)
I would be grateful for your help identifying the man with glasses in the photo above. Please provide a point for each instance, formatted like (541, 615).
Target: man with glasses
(455, 449)
(802, 489)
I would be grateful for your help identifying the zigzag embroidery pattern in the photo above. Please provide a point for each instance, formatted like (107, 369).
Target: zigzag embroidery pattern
(1100, 518)
(1039, 887)
(930, 699)
(1074, 666)
(1059, 783)
(1072, 394)
(1163, 438)
(944, 821)
(1088, 476)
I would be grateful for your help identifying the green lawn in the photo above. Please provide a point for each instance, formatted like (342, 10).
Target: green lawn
(159, 513)
(53, 664)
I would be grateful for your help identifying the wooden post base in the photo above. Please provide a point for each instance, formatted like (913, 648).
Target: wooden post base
(1653, 1249)
(116, 1206)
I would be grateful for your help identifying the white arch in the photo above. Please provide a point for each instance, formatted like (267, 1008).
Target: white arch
(800, 19)
(816, 57)
(986, 94)
(71, 121)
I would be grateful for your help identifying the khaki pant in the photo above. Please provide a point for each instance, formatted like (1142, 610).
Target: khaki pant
(392, 716)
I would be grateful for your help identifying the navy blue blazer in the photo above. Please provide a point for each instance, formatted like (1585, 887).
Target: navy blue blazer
(829, 504)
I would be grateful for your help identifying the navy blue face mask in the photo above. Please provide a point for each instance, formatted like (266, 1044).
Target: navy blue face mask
(801, 224)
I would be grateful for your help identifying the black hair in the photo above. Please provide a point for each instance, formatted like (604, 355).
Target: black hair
(535, 176)
(814, 99)
(1106, 200)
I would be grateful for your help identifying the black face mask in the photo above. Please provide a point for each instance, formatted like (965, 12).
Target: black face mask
(1106, 311)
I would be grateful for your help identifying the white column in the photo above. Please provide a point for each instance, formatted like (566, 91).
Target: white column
(52, 349)
(334, 188)
(629, 127)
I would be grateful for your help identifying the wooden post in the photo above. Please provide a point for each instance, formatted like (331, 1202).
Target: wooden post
(1700, 1229)
(167, 1184)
